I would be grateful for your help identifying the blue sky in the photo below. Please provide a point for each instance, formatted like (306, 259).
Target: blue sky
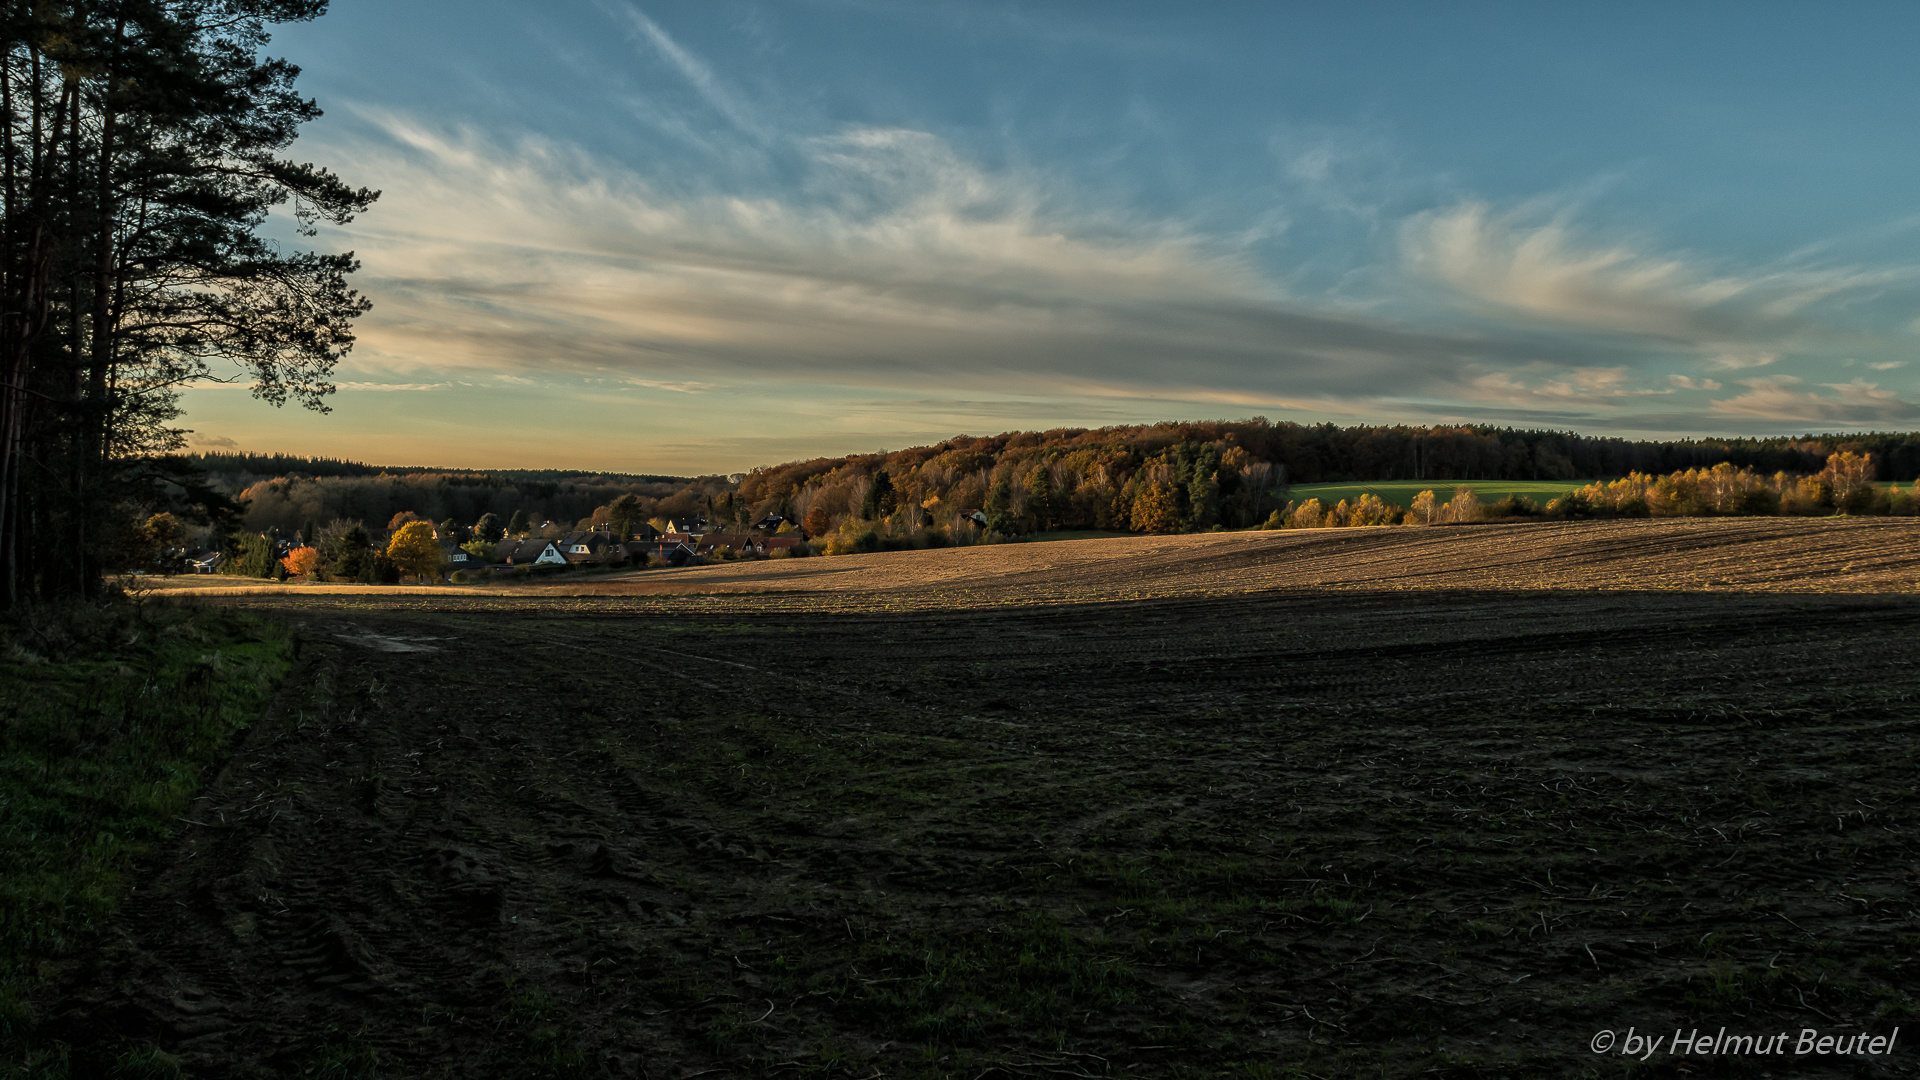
(706, 236)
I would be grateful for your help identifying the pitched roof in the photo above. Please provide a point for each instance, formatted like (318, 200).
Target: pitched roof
(520, 552)
(724, 541)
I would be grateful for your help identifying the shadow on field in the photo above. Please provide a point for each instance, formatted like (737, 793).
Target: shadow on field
(1448, 834)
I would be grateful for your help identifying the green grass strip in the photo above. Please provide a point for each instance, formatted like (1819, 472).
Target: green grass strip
(108, 716)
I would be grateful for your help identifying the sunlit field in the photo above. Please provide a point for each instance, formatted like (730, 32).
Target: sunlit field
(1769, 554)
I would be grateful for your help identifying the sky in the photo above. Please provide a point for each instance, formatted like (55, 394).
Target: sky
(709, 235)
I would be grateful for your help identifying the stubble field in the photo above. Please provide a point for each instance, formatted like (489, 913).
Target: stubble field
(1401, 802)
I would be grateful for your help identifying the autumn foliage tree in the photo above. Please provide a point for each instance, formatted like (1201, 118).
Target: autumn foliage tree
(413, 550)
(302, 561)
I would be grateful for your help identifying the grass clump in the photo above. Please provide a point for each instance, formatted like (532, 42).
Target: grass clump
(108, 714)
(1031, 974)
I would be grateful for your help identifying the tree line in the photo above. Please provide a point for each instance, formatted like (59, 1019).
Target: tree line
(1184, 477)
(1845, 484)
(141, 151)
(287, 504)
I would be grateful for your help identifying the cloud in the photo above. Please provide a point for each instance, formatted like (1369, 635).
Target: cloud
(1856, 402)
(695, 70)
(869, 260)
(896, 260)
(1596, 388)
(1547, 271)
(202, 441)
(1734, 361)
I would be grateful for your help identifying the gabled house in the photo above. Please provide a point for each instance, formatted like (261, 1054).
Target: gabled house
(769, 524)
(738, 543)
(787, 542)
(531, 552)
(687, 526)
(204, 562)
(646, 532)
(662, 552)
(582, 547)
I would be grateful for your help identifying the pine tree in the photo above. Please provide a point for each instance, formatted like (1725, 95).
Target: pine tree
(139, 155)
(881, 499)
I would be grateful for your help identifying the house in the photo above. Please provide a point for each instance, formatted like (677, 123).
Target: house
(533, 552)
(769, 524)
(977, 517)
(662, 553)
(737, 543)
(687, 526)
(460, 559)
(646, 532)
(788, 542)
(586, 547)
(204, 562)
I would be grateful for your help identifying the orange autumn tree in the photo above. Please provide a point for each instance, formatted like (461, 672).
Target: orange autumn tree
(302, 561)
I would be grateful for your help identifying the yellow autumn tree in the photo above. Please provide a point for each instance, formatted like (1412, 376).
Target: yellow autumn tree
(1371, 509)
(413, 550)
(1157, 508)
(1422, 512)
(1851, 477)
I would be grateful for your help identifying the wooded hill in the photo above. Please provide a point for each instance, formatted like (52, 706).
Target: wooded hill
(1183, 476)
(244, 468)
(291, 502)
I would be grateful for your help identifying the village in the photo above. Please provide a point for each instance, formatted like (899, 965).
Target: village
(682, 543)
(685, 542)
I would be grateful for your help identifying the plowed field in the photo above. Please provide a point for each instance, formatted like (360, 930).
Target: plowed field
(1872, 555)
(1329, 804)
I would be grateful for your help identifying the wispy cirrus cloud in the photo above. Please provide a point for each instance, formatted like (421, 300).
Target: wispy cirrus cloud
(907, 262)
(1515, 264)
(1855, 402)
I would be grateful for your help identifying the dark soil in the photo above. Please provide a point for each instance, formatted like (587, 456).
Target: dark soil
(1366, 834)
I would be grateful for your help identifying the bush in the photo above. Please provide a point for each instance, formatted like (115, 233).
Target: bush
(1573, 506)
(1758, 501)
(1513, 506)
(379, 570)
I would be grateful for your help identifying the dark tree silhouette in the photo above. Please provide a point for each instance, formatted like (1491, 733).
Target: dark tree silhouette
(141, 153)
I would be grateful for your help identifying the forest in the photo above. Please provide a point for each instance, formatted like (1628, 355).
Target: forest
(1186, 477)
(1160, 478)
(287, 503)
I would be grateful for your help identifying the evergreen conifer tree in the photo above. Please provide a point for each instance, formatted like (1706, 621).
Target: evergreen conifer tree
(140, 152)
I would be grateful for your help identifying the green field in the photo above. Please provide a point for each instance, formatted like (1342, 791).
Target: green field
(1077, 534)
(1402, 492)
